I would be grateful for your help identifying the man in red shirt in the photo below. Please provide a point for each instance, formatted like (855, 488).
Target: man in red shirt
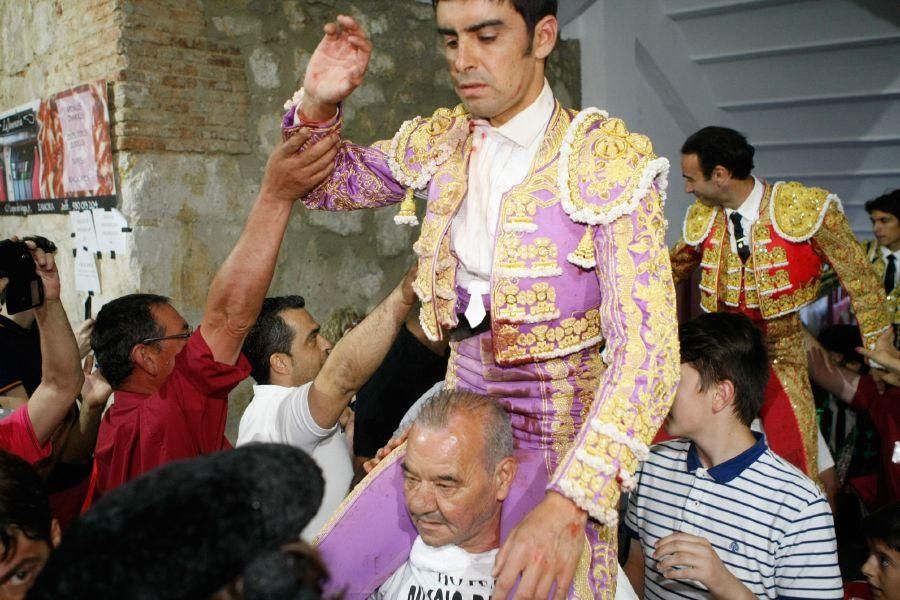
(171, 382)
(26, 432)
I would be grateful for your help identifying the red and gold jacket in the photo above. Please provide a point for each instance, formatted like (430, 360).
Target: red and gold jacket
(798, 230)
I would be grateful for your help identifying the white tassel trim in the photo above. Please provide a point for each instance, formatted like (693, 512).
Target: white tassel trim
(520, 227)
(831, 198)
(539, 318)
(638, 448)
(406, 220)
(420, 293)
(656, 168)
(581, 262)
(605, 515)
(569, 350)
(396, 169)
(434, 337)
(627, 480)
(566, 149)
(530, 273)
(420, 180)
(775, 290)
(295, 100)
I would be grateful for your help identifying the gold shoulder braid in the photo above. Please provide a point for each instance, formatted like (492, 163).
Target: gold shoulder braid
(419, 148)
(797, 211)
(698, 222)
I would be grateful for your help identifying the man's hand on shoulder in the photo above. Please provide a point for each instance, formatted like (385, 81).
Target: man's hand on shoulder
(544, 548)
(337, 67)
(686, 556)
(293, 171)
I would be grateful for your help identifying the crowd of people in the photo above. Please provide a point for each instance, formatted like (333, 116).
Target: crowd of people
(523, 416)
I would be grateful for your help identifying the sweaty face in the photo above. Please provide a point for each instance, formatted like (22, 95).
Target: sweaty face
(882, 570)
(691, 406)
(487, 46)
(705, 190)
(309, 349)
(450, 495)
(886, 228)
(19, 571)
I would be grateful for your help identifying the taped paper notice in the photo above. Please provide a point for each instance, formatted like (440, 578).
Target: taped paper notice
(86, 277)
(109, 224)
(83, 228)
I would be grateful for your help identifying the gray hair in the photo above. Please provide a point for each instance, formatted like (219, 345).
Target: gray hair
(498, 442)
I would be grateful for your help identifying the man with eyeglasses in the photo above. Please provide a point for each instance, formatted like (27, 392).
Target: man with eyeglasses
(171, 382)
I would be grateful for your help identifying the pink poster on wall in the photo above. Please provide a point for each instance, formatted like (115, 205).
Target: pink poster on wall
(56, 154)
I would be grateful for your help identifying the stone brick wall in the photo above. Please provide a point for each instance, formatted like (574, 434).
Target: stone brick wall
(181, 91)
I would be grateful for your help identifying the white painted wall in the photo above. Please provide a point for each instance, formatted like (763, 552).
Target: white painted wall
(814, 84)
(636, 65)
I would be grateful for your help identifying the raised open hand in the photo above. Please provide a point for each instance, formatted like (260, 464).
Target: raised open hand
(336, 68)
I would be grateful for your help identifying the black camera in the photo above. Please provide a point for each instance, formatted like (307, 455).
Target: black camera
(25, 289)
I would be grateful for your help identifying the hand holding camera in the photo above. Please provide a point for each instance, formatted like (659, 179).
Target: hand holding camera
(30, 271)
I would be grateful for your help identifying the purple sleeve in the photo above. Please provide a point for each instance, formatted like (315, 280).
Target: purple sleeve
(361, 178)
(639, 323)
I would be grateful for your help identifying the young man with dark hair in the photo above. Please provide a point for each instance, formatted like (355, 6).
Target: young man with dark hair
(716, 514)
(28, 533)
(884, 251)
(303, 385)
(542, 241)
(172, 382)
(882, 568)
(761, 248)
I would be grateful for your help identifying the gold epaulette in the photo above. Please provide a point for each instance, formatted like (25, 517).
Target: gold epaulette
(605, 170)
(421, 145)
(697, 223)
(797, 211)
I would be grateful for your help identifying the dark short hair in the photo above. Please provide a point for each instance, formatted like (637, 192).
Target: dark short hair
(884, 525)
(728, 346)
(23, 504)
(531, 10)
(270, 335)
(887, 203)
(186, 529)
(119, 327)
(721, 146)
(843, 339)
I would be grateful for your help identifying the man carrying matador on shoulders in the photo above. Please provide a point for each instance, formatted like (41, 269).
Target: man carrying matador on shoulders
(542, 257)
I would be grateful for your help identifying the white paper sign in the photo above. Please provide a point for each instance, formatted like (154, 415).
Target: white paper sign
(83, 228)
(86, 277)
(109, 225)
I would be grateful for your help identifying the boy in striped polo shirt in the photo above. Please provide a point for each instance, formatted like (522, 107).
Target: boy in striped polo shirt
(716, 514)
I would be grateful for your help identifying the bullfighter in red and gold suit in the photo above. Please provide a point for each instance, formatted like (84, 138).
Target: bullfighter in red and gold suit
(761, 248)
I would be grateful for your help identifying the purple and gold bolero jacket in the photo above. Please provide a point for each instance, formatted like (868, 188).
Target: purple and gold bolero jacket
(580, 260)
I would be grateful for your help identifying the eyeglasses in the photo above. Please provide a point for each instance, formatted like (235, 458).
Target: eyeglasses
(176, 336)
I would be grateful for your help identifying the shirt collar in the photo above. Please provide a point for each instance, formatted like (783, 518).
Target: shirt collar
(885, 252)
(749, 209)
(267, 391)
(731, 468)
(526, 126)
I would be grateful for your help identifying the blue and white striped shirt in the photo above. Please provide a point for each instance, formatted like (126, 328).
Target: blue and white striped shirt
(768, 522)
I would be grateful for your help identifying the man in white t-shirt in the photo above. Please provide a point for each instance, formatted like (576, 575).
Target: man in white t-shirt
(303, 385)
(458, 469)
